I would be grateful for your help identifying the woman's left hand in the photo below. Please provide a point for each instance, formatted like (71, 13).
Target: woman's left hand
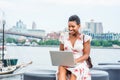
(76, 61)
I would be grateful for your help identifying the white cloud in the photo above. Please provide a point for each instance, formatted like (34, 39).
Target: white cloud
(41, 11)
(14, 3)
(86, 2)
(22, 4)
(5, 4)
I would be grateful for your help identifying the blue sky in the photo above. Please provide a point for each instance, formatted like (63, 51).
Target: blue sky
(52, 15)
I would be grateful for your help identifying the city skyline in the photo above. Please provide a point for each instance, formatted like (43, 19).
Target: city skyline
(52, 16)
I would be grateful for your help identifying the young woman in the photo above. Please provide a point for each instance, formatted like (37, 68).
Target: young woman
(74, 42)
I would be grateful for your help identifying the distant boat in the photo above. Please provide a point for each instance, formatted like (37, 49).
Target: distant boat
(7, 65)
(7, 70)
(11, 69)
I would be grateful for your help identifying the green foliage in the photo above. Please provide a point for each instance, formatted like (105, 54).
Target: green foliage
(95, 43)
(104, 43)
(115, 42)
(49, 42)
(10, 40)
(34, 41)
(23, 42)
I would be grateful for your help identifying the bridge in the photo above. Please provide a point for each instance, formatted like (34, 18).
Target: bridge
(22, 34)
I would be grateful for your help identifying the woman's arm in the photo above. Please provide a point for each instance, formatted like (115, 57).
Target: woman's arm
(61, 47)
(86, 52)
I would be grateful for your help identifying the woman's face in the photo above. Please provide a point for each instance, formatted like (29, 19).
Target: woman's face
(73, 27)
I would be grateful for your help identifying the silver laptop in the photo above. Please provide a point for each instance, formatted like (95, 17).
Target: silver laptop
(62, 58)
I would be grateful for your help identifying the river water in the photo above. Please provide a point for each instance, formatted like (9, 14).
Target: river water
(41, 57)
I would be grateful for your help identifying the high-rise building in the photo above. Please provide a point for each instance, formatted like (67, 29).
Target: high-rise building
(94, 27)
(20, 27)
(33, 25)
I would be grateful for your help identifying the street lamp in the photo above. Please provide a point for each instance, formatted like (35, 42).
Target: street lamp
(3, 27)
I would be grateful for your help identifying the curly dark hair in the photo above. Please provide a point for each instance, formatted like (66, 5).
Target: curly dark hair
(74, 18)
